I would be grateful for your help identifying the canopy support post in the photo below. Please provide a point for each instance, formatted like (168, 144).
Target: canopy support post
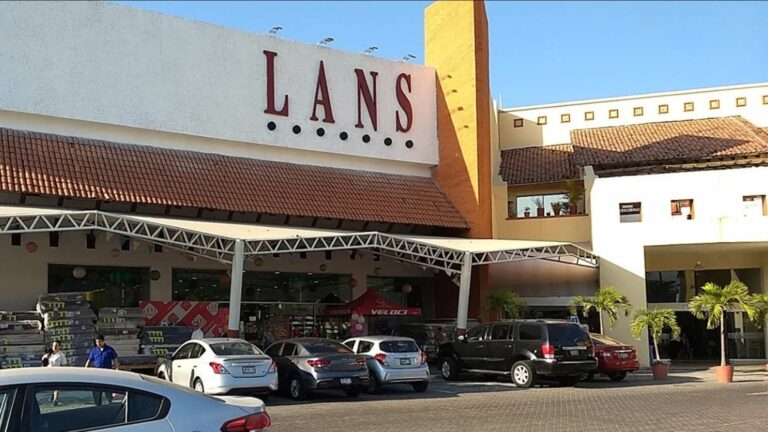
(236, 289)
(464, 283)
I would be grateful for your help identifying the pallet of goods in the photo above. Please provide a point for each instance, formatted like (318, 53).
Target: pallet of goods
(120, 327)
(68, 318)
(161, 341)
(22, 342)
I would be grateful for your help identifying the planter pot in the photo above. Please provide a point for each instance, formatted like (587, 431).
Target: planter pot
(527, 214)
(540, 212)
(660, 371)
(574, 209)
(724, 374)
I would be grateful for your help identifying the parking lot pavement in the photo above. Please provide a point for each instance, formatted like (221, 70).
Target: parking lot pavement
(688, 401)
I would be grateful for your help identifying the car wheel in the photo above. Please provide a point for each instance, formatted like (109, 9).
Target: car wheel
(352, 391)
(420, 387)
(523, 375)
(374, 385)
(617, 376)
(296, 388)
(569, 381)
(448, 368)
(198, 385)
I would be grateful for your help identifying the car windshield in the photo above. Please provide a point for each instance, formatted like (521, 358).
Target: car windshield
(565, 334)
(326, 348)
(401, 346)
(598, 339)
(234, 348)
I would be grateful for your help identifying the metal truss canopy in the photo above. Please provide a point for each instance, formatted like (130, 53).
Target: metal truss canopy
(216, 240)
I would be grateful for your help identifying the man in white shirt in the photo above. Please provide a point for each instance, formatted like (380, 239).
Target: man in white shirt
(198, 333)
(56, 358)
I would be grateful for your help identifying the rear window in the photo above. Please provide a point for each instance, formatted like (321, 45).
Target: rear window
(604, 340)
(234, 348)
(566, 334)
(326, 348)
(399, 347)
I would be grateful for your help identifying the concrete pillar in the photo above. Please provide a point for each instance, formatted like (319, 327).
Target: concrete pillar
(236, 289)
(464, 284)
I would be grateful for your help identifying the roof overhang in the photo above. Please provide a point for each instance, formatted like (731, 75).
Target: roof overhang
(216, 239)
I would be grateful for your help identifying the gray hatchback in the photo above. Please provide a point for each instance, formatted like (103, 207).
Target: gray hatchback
(392, 360)
(310, 364)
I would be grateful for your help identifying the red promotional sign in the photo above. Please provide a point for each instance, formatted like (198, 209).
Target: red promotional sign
(212, 319)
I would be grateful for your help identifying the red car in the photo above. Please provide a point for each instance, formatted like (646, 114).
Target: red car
(614, 358)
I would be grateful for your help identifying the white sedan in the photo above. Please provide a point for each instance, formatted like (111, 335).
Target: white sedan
(221, 366)
(64, 399)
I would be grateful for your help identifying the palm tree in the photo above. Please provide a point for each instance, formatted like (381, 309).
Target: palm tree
(510, 304)
(608, 300)
(656, 321)
(714, 302)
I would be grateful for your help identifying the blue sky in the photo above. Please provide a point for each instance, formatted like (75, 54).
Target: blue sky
(541, 52)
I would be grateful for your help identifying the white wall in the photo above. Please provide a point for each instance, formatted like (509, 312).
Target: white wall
(555, 132)
(24, 275)
(112, 64)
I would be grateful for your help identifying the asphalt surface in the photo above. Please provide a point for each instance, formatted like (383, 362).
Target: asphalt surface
(687, 401)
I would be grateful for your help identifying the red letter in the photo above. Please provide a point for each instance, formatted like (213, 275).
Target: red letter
(322, 87)
(370, 101)
(404, 103)
(271, 87)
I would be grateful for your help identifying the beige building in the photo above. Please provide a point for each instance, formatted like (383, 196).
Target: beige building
(675, 186)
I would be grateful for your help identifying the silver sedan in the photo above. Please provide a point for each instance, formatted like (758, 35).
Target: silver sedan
(392, 360)
(64, 399)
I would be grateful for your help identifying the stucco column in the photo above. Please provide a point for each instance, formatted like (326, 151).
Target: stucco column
(236, 289)
(464, 284)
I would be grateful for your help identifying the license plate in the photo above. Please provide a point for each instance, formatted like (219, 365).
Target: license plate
(346, 381)
(623, 356)
(574, 352)
(249, 370)
(405, 361)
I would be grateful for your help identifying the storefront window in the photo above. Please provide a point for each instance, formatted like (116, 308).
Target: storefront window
(108, 286)
(665, 287)
(394, 289)
(214, 285)
(750, 277)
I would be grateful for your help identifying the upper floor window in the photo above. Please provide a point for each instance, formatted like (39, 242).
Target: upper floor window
(682, 209)
(754, 205)
(543, 205)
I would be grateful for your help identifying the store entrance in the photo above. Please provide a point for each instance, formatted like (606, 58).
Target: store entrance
(744, 340)
(263, 323)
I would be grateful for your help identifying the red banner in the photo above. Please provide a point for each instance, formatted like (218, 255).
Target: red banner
(212, 319)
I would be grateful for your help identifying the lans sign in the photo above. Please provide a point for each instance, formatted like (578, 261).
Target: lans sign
(117, 65)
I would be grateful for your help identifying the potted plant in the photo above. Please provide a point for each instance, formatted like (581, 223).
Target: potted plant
(505, 304)
(608, 300)
(556, 207)
(575, 192)
(539, 203)
(713, 303)
(527, 212)
(655, 321)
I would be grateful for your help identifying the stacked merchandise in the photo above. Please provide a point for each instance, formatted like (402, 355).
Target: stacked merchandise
(22, 342)
(303, 326)
(121, 328)
(161, 341)
(68, 319)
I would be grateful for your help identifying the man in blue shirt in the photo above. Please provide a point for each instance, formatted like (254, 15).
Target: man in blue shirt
(102, 356)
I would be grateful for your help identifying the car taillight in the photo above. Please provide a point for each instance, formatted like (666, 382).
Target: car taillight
(251, 423)
(319, 363)
(272, 368)
(607, 354)
(382, 359)
(360, 360)
(548, 351)
(423, 358)
(218, 368)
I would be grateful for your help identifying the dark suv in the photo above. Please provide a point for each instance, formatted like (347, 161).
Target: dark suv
(524, 349)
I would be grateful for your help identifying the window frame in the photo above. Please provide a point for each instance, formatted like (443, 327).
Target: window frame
(509, 334)
(522, 339)
(360, 346)
(682, 216)
(30, 391)
(180, 350)
(480, 338)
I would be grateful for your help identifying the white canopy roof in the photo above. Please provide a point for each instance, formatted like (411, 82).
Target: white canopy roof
(216, 239)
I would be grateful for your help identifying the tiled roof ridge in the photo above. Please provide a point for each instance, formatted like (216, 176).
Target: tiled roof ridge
(660, 123)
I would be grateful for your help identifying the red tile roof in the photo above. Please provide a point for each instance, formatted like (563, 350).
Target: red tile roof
(46, 164)
(641, 145)
(538, 164)
(668, 142)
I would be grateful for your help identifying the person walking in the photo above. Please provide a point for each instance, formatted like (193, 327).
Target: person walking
(102, 356)
(198, 333)
(55, 358)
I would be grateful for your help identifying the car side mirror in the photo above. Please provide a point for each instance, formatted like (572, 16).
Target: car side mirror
(462, 338)
(169, 356)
